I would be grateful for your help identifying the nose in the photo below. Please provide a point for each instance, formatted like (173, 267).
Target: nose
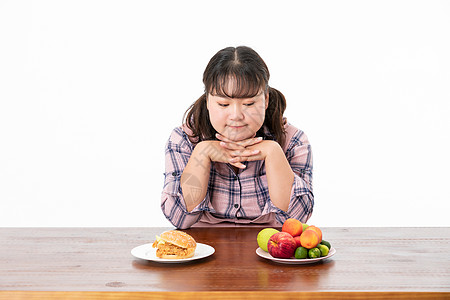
(237, 112)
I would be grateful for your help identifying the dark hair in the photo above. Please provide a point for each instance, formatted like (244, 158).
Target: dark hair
(251, 75)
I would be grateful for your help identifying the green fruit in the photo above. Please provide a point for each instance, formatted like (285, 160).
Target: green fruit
(264, 236)
(323, 250)
(314, 253)
(326, 244)
(301, 253)
(305, 226)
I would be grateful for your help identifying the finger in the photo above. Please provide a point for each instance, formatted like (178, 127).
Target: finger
(246, 157)
(239, 165)
(231, 146)
(253, 157)
(245, 153)
(223, 138)
(243, 143)
(250, 142)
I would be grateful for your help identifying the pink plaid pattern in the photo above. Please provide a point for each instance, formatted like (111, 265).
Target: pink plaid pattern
(237, 198)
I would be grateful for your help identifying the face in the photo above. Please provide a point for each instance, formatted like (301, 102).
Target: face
(237, 119)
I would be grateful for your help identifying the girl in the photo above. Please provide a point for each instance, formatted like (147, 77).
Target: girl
(236, 160)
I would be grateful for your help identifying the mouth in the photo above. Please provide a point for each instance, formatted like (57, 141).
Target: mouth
(236, 127)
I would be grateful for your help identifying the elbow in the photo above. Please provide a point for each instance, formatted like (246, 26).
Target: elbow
(178, 216)
(308, 206)
(302, 207)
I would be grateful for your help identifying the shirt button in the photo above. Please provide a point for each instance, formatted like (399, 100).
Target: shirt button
(236, 205)
(174, 173)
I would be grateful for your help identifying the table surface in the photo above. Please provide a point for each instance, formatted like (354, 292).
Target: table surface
(368, 261)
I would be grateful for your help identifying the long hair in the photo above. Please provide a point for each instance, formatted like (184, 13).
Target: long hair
(251, 75)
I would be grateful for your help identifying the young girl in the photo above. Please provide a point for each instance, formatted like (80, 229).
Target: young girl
(236, 160)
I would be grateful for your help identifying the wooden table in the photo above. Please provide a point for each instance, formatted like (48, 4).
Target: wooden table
(87, 263)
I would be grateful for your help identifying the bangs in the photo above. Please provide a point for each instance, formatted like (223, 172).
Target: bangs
(236, 85)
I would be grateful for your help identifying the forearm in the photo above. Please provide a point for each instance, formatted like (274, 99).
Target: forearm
(280, 177)
(195, 177)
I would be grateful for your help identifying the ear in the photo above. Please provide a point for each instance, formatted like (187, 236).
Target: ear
(207, 101)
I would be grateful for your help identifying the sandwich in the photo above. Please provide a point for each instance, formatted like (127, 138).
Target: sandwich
(174, 244)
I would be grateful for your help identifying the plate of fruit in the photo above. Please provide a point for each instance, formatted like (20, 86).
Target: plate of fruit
(296, 243)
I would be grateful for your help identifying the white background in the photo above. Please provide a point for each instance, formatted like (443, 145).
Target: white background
(90, 91)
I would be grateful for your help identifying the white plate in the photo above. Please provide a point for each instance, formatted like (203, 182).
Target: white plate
(294, 261)
(147, 252)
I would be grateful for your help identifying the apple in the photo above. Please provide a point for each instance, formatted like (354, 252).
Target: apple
(264, 236)
(304, 225)
(297, 240)
(281, 245)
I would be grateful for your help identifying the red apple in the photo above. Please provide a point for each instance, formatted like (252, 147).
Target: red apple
(297, 240)
(281, 245)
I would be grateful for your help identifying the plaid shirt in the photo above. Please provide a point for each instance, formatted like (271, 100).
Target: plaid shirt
(241, 198)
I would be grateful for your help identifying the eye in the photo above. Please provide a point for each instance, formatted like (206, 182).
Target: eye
(249, 104)
(222, 105)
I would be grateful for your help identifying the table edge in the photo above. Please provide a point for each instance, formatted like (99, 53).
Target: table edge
(274, 295)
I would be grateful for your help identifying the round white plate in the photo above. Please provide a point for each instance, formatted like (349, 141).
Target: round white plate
(293, 261)
(147, 252)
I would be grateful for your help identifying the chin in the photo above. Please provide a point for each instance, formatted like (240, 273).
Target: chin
(238, 135)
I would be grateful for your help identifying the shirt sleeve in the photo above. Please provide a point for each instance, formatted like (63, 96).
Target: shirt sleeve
(301, 203)
(177, 153)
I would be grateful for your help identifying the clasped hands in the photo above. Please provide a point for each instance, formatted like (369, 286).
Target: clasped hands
(236, 152)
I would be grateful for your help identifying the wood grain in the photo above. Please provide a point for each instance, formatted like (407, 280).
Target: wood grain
(94, 262)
